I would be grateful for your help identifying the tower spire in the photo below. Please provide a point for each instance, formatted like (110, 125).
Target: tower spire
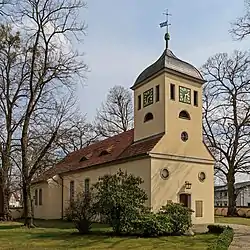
(166, 24)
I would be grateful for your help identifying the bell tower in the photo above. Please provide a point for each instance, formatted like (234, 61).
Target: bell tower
(168, 99)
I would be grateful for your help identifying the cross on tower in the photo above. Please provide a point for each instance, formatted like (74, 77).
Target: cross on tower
(166, 24)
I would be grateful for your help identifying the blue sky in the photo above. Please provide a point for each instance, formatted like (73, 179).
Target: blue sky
(123, 37)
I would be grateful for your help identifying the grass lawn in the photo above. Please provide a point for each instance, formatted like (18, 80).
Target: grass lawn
(61, 235)
(233, 220)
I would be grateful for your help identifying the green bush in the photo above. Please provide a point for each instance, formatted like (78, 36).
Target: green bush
(67, 214)
(223, 241)
(171, 219)
(179, 217)
(152, 225)
(120, 199)
(82, 213)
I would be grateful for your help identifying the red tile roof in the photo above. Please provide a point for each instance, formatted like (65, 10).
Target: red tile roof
(115, 148)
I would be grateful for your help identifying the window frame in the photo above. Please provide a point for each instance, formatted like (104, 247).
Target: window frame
(147, 118)
(86, 185)
(36, 197)
(40, 197)
(186, 116)
(172, 91)
(139, 102)
(199, 214)
(196, 102)
(72, 191)
(157, 93)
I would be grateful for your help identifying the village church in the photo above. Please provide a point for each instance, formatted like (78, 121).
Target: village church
(165, 148)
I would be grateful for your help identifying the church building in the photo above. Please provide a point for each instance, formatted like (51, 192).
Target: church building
(165, 148)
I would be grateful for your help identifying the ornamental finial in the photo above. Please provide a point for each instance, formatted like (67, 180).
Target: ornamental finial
(166, 24)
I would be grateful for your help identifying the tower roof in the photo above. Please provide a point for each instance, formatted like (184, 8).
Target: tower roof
(168, 61)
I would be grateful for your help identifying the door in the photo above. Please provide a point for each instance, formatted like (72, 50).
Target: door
(185, 199)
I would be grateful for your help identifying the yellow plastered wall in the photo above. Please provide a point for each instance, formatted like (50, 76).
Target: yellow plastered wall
(40, 211)
(139, 167)
(157, 125)
(174, 126)
(164, 190)
(51, 207)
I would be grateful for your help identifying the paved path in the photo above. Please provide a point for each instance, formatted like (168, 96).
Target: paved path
(241, 238)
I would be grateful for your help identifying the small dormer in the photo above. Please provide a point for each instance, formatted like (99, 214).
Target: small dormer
(106, 151)
(84, 158)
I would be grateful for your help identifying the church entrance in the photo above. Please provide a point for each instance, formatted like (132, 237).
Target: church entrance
(185, 199)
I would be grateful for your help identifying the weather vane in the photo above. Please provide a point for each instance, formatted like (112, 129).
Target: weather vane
(166, 24)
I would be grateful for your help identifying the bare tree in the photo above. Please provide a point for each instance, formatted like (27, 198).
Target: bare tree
(226, 116)
(241, 27)
(116, 114)
(76, 134)
(50, 70)
(3, 4)
(12, 94)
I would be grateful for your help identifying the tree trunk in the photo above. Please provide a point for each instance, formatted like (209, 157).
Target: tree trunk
(1, 198)
(6, 210)
(5, 190)
(27, 205)
(232, 211)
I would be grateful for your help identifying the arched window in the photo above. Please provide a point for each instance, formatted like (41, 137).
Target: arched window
(40, 197)
(184, 115)
(36, 197)
(86, 185)
(71, 191)
(148, 117)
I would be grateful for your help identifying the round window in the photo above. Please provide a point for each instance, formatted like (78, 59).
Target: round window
(202, 176)
(184, 136)
(164, 173)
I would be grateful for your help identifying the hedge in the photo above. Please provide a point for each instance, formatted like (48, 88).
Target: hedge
(172, 219)
(215, 229)
(225, 238)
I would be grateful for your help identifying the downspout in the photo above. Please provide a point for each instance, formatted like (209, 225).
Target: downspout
(62, 197)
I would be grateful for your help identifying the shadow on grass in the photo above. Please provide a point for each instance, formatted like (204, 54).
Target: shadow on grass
(52, 234)
(61, 224)
(107, 233)
(91, 235)
(7, 227)
(75, 239)
(58, 224)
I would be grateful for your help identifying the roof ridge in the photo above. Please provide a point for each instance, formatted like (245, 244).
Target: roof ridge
(99, 142)
(124, 148)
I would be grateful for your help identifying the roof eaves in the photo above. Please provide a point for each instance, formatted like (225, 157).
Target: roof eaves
(113, 162)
